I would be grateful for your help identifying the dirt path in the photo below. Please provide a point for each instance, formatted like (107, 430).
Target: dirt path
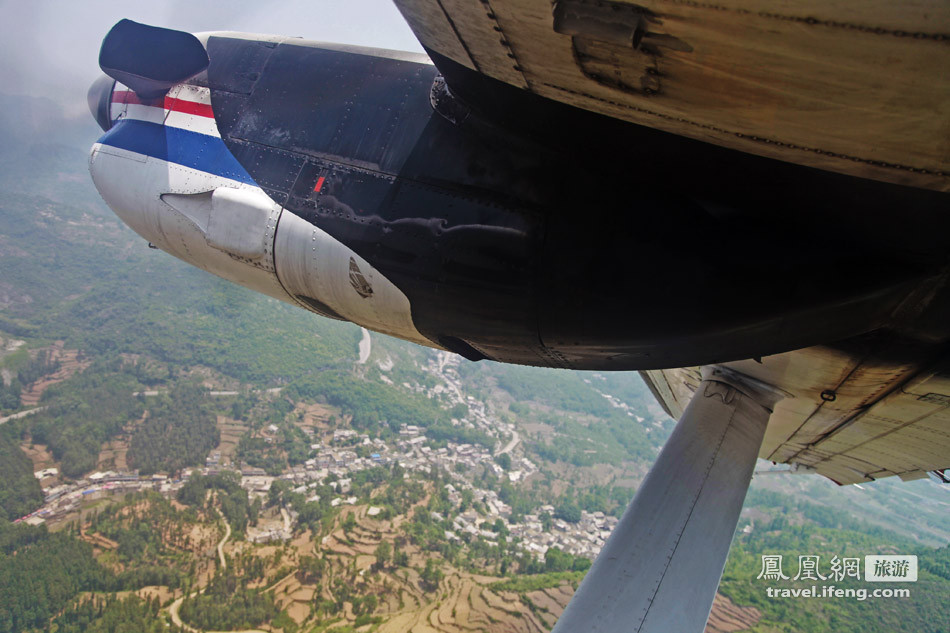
(176, 619)
(515, 438)
(22, 414)
(286, 516)
(176, 605)
(159, 392)
(227, 535)
(173, 612)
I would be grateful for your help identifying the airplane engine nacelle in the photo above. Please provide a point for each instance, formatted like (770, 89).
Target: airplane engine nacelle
(239, 222)
(226, 231)
(315, 270)
(486, 220)
(239, 233)
(331, 279)
(163, 168)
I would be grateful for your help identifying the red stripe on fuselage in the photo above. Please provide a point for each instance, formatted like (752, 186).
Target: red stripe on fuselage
(188, 107)
(168, 103)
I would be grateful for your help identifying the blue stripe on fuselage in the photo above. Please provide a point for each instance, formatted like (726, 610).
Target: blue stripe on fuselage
(175, 145)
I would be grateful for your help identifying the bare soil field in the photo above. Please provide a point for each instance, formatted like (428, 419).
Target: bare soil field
(727, 617)
(463, 602)
(231, 432)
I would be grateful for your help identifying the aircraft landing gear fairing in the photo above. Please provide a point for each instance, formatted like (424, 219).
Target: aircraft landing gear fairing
(660, 568)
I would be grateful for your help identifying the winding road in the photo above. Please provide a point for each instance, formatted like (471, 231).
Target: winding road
(176, 620)
(286, 516)
(515, 438)
(175, 606)
(227, 535)
(22, 414)
(365, 347)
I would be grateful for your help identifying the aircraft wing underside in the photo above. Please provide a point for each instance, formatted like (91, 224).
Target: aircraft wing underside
(844, 87)
(850, 418)
(800, 82)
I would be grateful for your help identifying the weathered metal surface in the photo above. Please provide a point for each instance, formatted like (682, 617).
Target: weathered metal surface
(885, 418)
(858, 88)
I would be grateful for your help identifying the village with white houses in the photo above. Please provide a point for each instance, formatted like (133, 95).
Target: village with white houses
(336, 463)
(335, 459)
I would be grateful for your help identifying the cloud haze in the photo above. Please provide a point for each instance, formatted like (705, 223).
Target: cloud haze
(50, 48)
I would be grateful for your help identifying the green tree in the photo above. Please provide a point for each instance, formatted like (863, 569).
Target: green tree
(568, 511)
(383, 553)
(20, 492)
(179, 431)
(431, 575)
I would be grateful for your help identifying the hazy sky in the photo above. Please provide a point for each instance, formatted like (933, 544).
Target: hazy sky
(50, 48)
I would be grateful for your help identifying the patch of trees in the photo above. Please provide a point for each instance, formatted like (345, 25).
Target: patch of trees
(231, 498)
(179, 316)
(10, 395)
(113, 615)
(568, 511)
(40, 572)
(363, 608)
(376, 406)
(537, 582)
(521, 499)
(442, 432)
(311, 569)
(309, 513)
(431, 575)
(369, 404)
(179, 431)
(288, 446)
(20, 492)
(400, 495)
(936, 561)
(150, 534)
(563, 390)
(84, 412)
(42, 365)
(149, 576)
(556, 560)
(257, 452)
(819, 515)
(228, 604)
(612, 500)
(612, 439)
(427, 533)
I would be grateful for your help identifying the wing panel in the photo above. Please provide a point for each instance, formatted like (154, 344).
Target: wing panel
(802, 82)
(484, 40)
(886, 417)
(432, 27)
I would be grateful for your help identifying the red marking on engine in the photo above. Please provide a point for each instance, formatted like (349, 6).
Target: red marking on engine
(319, 184)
